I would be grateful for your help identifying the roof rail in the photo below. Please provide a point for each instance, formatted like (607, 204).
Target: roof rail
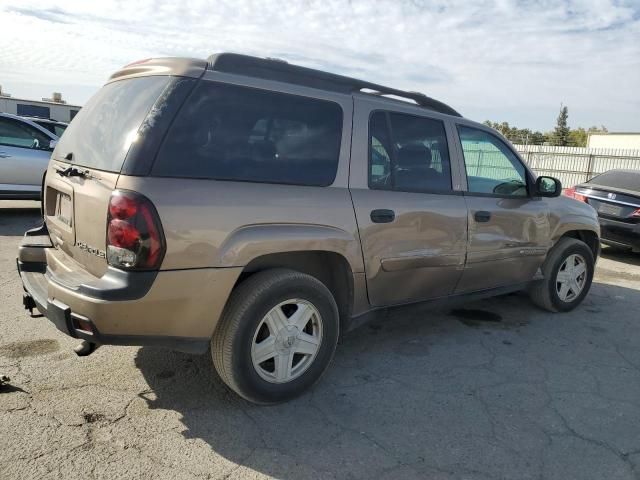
(281, 71)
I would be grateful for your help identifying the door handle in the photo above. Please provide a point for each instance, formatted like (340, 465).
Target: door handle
(482, 216)
(382, 216)
(4, 155)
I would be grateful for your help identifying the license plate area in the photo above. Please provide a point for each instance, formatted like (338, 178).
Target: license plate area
(59, 202)
(611, 210)
(64, 208)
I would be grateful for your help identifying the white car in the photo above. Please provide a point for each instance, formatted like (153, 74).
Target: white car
(53, 126)
(25, 148)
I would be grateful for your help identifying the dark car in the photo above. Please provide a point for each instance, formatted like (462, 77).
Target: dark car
(615, 195)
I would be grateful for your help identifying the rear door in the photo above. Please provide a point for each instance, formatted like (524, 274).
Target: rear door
(412, 222)
(24, 155)
(87, 161)
(509, 230)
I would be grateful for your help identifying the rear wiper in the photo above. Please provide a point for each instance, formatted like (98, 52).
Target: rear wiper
(73, 172)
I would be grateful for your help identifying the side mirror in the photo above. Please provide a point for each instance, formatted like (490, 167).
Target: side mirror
(52, 144)
(548, 187)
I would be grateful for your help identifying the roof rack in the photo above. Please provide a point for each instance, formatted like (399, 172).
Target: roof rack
(281, 71)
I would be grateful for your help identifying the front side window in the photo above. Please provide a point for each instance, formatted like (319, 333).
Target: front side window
(408, 153)
(492, 168)
(14, 133)
(228, 132)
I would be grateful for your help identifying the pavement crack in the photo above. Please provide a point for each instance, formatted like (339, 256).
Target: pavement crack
(623, 456)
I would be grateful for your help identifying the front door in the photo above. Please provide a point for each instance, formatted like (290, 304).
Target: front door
(412, 224)
(509, 230)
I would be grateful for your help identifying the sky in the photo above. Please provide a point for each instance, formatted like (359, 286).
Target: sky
(502, 60)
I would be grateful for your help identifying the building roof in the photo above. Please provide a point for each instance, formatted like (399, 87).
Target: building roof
(614, 133)
(43, 102)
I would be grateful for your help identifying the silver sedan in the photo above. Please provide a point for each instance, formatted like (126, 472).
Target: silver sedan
(25, 148)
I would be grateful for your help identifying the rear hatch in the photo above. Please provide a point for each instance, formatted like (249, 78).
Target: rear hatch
(86, 164)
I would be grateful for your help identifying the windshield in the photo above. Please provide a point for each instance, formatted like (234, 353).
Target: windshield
(101, 133)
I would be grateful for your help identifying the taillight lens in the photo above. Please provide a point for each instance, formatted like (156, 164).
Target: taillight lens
(134, 235)
(571, 192)
(122, 207)
(636, 213)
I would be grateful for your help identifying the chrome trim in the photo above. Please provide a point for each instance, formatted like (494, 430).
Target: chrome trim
(609, 200)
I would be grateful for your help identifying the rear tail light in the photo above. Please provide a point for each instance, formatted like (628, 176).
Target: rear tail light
(571, 192)
(636, 213)
(135, 240)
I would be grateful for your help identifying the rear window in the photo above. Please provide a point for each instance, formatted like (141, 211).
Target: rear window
(226, 132)
(102, 132)
(623, 179)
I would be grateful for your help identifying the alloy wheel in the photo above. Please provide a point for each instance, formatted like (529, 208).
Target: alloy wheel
(571, 277)
(286, 341)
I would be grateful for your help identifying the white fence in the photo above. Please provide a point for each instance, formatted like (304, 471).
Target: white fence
(573, 165)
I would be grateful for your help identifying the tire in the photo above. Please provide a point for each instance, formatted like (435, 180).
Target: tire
(544, 293)
(244, 325)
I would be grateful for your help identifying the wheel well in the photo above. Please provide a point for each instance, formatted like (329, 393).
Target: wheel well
(330, 268)
(586, 236)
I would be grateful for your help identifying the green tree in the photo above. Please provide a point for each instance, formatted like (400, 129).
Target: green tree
(538, 138)
(578, 137)
(575, 138)
(517, 135)
(561, 132)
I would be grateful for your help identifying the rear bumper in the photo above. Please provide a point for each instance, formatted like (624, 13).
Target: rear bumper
(176, 309)
(620, 234)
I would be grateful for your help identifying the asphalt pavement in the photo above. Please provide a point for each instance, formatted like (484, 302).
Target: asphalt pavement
(496, 389)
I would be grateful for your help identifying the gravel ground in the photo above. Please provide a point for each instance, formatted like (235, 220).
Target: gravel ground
(494, 389)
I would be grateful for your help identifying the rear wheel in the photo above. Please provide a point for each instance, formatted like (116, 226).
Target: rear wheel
(276, 336)
(568, 272)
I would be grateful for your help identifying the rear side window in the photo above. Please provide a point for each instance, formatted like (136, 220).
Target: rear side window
(103, 130)
(227, 132)
(408, 153)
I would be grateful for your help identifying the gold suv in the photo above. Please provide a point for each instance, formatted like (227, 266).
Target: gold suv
(262, 209)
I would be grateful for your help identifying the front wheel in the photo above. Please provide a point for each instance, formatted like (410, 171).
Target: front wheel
(276, 336)
(568, 272)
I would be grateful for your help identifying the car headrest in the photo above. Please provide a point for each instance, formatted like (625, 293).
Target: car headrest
(411, 156)
(263, 150)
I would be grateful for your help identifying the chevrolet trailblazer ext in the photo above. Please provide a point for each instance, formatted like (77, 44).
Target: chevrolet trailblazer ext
(260, 209)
